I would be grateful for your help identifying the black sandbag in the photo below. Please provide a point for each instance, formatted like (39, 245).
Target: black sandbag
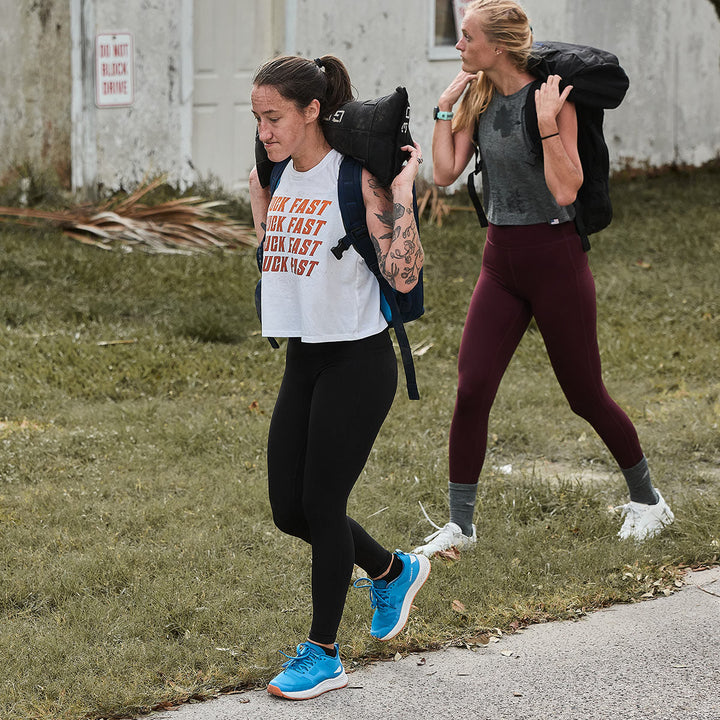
(596, 76)
(371, 131)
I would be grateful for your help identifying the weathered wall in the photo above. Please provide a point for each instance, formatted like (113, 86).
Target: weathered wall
(151, 136)
(35, 86)
(671, 52)
(669, 48)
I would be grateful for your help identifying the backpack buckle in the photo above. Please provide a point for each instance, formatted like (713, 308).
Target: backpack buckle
(340, 248)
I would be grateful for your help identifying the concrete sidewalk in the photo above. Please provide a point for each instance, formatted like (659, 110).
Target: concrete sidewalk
(655, 660)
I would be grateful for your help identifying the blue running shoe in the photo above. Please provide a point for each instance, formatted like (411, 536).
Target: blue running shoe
(310, 673)
(392, 600)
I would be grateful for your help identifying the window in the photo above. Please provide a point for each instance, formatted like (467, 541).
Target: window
(445, 19)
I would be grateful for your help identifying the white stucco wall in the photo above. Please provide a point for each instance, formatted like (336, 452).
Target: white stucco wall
(35, 87)
(669, 48)
(153, 136)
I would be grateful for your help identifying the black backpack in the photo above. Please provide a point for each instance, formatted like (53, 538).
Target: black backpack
(397, 307)
(599, 83)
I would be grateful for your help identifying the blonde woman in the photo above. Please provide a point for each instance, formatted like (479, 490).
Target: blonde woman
(533, 263)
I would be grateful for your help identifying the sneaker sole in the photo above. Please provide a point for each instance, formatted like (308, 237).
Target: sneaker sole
(427, 552)
(409, 597)
(336, 683)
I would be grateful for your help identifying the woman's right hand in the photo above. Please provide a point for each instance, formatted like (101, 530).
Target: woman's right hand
(451, 148)
(455, 89)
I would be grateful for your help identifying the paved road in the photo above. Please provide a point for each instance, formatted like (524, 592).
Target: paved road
(655, 660)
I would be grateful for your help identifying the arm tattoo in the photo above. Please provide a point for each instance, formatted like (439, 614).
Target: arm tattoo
(404, 255)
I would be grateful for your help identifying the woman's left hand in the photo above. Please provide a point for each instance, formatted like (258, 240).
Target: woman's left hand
(407, 175)
(548, 102)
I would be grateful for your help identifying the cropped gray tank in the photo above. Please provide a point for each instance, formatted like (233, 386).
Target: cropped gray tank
(513, 177)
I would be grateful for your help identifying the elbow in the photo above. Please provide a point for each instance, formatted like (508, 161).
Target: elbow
(566, 198)
(567, 195)
(402, 286)
(442, 173)
(406, 285)
(442, 179)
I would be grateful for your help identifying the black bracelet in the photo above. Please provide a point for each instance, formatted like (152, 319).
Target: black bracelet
(549, 136)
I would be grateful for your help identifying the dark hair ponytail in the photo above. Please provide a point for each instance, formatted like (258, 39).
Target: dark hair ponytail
(339, 90)
(301, 80)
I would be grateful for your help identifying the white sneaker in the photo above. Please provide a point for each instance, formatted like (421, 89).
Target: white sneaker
(445, 538)
(643, 521)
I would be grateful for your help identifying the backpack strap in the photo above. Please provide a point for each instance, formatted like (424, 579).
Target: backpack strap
(352, 208)
(472, 192)
(275, 175)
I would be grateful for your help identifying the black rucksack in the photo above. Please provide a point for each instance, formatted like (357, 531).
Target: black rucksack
(599, 83)
(397, 308)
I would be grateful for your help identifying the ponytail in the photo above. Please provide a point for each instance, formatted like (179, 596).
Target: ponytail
(339, 89)
(301, 81)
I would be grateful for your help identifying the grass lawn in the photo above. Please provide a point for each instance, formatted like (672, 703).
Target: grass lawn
(139, 562)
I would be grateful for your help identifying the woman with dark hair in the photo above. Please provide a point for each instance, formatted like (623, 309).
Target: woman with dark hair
(340, 372)
(533, 263)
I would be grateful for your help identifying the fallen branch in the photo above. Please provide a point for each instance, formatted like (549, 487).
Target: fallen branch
(185, 225)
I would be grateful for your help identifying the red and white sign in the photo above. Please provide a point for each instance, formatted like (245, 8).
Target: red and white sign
(114, 70)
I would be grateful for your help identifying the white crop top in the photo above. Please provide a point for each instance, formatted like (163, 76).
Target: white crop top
(306, 291)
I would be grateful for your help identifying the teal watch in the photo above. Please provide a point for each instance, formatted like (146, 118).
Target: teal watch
(439, 114)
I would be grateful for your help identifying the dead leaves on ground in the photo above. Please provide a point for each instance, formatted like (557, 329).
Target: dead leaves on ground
(451, 553)
(182, 226)
(647, 584)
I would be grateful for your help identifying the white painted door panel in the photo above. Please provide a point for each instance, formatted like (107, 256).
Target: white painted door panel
(231, 39)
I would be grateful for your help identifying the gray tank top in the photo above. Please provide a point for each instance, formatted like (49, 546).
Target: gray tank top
(513, 177)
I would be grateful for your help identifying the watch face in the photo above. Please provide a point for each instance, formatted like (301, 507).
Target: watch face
(436, 110)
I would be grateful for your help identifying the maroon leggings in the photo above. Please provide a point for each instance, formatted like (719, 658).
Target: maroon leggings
(531, 271)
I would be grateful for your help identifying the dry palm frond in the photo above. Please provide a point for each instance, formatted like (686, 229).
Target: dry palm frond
(184, 225)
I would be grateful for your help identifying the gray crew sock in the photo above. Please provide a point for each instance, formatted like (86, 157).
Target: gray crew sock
(462, 505)
(640, 485)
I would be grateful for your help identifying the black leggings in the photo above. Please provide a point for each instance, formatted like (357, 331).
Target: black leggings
(332, 402)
